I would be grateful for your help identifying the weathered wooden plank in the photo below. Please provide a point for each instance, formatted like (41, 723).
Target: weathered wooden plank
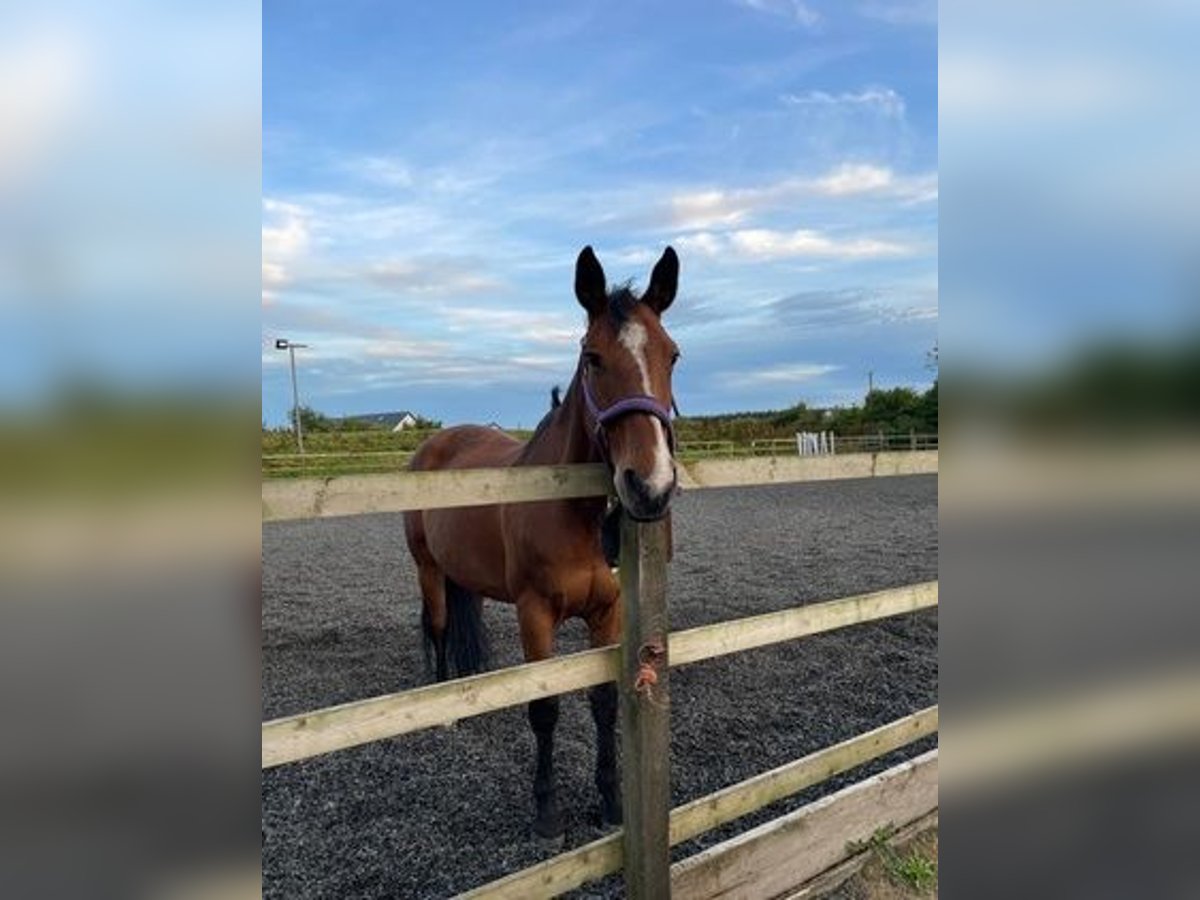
(310, 734)
(603, 857)
(710, 641)
(782, 854)
(645, 698)
(829, 880)
(337, 727)
(556, 875)
(712, 473)
(741, 799)
(346, 495)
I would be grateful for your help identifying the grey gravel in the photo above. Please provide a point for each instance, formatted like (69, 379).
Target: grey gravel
(437, 812)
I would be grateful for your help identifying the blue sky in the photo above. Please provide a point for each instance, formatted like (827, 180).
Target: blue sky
(430, 173)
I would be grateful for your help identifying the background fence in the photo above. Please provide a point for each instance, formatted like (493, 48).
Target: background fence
(766, 858)
(324, 463)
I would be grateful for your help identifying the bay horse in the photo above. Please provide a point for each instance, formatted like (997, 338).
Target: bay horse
(545, 557)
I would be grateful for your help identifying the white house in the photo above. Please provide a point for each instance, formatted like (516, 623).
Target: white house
(393, 421)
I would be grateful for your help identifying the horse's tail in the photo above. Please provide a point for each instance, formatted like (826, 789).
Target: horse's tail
(466, 636)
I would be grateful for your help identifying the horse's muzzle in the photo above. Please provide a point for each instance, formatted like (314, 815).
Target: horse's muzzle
(640, 502)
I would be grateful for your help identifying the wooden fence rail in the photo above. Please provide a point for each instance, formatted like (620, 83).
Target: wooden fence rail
(346, 495)
(294, 738)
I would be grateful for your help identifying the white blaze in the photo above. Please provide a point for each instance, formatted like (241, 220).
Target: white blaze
(661, 477)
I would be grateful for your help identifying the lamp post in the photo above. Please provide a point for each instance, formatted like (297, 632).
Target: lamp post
(290, 347)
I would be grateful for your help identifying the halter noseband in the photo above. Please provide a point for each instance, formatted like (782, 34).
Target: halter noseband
(642, 403)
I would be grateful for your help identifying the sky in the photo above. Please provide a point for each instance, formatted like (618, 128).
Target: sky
(431, 171)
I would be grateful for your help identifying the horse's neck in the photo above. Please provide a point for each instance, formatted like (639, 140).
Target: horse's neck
(566, 438)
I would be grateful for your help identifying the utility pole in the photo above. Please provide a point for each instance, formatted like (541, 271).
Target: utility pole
(290, 347)
(870, 382)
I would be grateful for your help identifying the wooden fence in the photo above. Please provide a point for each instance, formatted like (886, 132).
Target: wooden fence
(345, 462)
(651, 827)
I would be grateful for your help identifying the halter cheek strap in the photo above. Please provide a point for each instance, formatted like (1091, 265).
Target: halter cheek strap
(642, 403)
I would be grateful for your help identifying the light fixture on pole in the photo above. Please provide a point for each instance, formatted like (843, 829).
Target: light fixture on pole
(290, 347)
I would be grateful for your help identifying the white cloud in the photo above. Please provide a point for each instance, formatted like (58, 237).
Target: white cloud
(285, 236)
(706, 208)
(768, 244)
(854, 179)
(421, 276)
(386, 170)
(394, 348)
(763, 243)
(551, 329)
(901, 12)
(850, 179)
(393, 172)
(796, 10)
(42, 86)
(627, 256)
(702, 243)
(334, 335)
(881, 99)
(786, 373)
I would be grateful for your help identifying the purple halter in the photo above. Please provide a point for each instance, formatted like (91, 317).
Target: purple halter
(642, 403)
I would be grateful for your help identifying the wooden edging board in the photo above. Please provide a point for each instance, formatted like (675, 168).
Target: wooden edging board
(832, 878)
(783, 854)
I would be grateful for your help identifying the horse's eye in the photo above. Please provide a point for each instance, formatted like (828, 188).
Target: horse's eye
(591, 359)
(674, 357)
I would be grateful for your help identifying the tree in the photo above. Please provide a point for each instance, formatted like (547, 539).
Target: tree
(897, 409)
(928, 410)
(311, 420)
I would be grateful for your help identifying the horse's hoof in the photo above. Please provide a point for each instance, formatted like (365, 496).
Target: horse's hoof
(553, 845)
(549, 828)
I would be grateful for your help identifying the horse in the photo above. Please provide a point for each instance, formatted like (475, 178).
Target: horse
(545, 557)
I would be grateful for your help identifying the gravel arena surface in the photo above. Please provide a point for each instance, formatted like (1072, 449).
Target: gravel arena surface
(435, 813)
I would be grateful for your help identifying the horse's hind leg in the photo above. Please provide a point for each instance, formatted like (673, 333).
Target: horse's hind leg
(433, 615)
(604, 628)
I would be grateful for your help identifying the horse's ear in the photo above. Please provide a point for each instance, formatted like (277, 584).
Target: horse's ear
(664, 282)
(590, 288)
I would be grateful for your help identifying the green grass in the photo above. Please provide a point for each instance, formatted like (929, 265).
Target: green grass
(914, 871)
(911, 870)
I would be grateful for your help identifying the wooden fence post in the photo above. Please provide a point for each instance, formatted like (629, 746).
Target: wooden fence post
(645, 710)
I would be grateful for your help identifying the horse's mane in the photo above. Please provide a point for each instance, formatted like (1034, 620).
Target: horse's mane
(555, 403)
(621, 301)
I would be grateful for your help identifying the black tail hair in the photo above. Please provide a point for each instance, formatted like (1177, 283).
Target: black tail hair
(466, 636)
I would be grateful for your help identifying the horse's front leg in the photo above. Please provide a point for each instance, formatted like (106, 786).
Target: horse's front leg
(604, 629)
(538, 625)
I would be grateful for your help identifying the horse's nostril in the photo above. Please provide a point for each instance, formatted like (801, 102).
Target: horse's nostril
(637, 487)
